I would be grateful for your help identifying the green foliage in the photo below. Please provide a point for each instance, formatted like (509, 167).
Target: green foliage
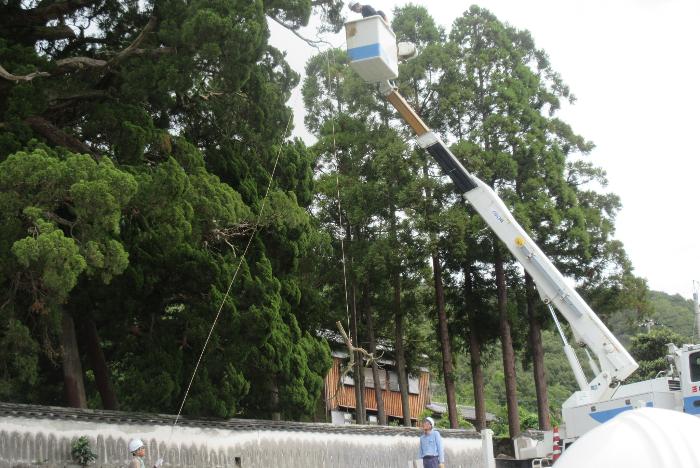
(136, 208)
(650, 350)
(675, 313)
(82, 452)
(672, 312)
(71, 206)
(19, 359)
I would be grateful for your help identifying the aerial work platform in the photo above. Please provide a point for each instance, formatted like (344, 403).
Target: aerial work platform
(372, 49)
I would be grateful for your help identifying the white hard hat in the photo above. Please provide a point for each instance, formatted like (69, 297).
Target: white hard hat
(639, 438)
(430, 420)
(135, 444)
(352, 4)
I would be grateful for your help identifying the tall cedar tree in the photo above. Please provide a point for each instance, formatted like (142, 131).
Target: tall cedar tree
(363, 160)
(417, 82)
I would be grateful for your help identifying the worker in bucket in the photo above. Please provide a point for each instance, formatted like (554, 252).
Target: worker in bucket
(431, 450)
(138, 450)
(405, 50)
(366, 10)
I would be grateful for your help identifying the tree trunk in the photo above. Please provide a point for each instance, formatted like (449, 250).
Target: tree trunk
(478, 381)
(506, 345)
(358, 370)
(398, 320)
(378, 393)
(99, 365)
(401, 363)
(73, 383)
(447, 363)
(475, 356)
(275, 414)
(538, 369)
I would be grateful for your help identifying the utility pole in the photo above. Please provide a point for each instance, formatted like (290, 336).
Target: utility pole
(696, 291)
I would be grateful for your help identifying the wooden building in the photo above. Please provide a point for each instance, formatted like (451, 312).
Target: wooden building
(341, 399)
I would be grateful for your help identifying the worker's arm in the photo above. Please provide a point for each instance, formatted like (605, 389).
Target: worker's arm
(440, 449)
(368, 11)
(420, 448)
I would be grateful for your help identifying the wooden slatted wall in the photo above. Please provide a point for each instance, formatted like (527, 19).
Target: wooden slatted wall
(344, 397)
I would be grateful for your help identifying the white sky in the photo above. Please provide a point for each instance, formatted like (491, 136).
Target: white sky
(634, 67)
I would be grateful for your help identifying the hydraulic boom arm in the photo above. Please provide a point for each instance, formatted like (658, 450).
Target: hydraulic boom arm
(615, 362)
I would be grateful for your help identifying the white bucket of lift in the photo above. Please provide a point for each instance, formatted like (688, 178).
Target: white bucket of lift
(372, 49)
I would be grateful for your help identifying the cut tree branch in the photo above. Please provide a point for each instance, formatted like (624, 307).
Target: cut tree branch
(154, 52)
(78, 63)
(59, 220)
(150, 26)
(369, 358)
(311, 42)
(53, 33)
(59, 103)
(57, 136)
(58, 9)
(10, 77)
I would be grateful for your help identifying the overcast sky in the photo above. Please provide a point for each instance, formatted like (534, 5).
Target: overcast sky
(634, 67)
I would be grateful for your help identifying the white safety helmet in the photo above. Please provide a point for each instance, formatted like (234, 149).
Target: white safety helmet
(639, 438)
(353, 4)
(135, 444)
(430, 420)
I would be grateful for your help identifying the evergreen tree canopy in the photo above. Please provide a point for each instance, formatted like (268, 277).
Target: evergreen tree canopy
(161, 128)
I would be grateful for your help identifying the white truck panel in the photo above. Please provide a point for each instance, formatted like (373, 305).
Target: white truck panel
(652, 393)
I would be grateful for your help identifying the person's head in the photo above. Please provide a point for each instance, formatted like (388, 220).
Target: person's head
(355, 6)
(428, 424)
(137, 448)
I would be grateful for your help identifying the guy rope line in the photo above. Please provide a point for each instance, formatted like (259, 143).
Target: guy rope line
(352, 349)
(235, 274)
(337, 184)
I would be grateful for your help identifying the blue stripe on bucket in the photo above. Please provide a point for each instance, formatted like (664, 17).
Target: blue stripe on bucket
(360, 53)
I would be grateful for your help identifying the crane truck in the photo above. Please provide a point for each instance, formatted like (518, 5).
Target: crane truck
(373, 54)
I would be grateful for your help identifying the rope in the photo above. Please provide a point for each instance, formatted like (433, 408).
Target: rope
(250, 240)
(235, 274)
(337, 187)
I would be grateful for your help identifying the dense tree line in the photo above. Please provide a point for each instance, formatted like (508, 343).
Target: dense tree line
(146, 160)
(138, 141)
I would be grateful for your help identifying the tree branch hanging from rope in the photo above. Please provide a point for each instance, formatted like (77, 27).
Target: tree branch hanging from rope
(369, 358)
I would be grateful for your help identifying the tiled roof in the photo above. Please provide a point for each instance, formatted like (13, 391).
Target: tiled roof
(467, 412)
(17, 410)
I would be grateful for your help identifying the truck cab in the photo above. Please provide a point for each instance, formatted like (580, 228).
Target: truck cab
(686, 361)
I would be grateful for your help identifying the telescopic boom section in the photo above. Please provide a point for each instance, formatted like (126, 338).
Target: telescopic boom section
(616, 364)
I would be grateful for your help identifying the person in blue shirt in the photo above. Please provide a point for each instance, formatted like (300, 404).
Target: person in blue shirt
(431, 450)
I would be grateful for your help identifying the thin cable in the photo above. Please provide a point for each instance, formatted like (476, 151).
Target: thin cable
(696, 312)
(235, 274)
(337, 187)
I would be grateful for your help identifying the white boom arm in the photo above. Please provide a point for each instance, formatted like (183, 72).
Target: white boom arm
(616, 364)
